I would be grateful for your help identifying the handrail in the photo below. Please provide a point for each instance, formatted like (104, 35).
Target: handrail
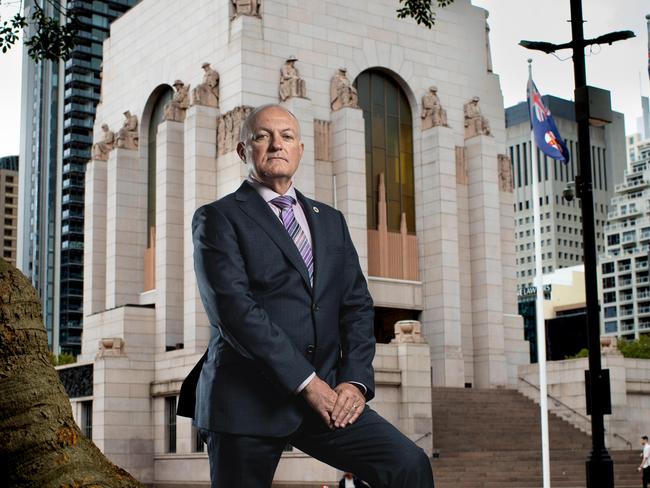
(422, 437)
(559, 402)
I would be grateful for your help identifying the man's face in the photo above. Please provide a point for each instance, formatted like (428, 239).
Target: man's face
(274, 149)
(643, 441)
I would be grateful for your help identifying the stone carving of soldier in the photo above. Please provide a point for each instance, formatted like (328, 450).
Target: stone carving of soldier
(291, 85)
(207, 93)
(475, 123)
(246, 7)
(103, 147)
(127, 136)
(342, 93)
(176, 107)
(433, 115)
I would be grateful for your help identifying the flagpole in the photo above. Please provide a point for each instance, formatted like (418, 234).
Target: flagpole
(539, 304)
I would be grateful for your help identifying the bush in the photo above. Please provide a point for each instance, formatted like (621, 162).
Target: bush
(61, 359)
(638, 348)
(583, 353)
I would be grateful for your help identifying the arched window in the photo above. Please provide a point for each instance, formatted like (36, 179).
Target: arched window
(165, 95)
(389, 148)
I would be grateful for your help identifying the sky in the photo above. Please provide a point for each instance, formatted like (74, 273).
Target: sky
(620, 68)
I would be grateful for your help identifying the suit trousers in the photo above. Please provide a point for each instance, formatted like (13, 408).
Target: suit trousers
(371, 448)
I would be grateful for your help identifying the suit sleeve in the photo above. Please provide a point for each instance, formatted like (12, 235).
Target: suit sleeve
(225, 292)
(356, 322)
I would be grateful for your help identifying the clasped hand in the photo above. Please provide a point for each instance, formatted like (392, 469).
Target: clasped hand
(338, 407)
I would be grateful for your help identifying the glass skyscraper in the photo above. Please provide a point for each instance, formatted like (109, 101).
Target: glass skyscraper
(58, 109)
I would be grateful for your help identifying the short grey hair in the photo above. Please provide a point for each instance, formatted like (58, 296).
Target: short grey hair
(246, 131)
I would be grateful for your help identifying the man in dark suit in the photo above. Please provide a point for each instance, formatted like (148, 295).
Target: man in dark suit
(290, 360)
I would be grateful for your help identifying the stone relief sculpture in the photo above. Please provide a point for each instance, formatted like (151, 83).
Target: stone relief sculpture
(342, 93)
(246, 7)
(291, 84)
(127, 136)
(105, 146)
(207, 93)
(462, 171)
(505, 173)
(475, 123)
(433, 115)
(228, 127)
(176, 107)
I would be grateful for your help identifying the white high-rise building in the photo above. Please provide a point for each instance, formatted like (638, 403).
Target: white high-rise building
(624, 267)
(561, 220)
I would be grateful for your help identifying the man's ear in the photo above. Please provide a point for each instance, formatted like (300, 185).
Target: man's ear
(241, 151)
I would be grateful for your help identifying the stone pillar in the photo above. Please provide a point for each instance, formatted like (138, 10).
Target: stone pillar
(95, 238)
(349, 167)
(126, 224)
(305, 177)
(415, 394)
(516, 347)
(439, 251)
(199, 188)
(169, 234)
(123, 371)
(485, 261)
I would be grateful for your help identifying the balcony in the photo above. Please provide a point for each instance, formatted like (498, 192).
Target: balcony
(641, 265)
(74, 168)
(85, 123)
(70, 138)
(72, 213)
(626, 312)
(632, 185)
(79, 109)
(642, 280)
(625, 283)
(624, 267)
(642, 295)
(625, 297)
(81, 95)
(644, 310)
(72, 245)
(72, 198)
(76, 79)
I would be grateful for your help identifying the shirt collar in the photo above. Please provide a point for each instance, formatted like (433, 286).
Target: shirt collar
(266, 193)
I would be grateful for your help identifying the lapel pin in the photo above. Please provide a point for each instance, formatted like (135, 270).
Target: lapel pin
(316, 209)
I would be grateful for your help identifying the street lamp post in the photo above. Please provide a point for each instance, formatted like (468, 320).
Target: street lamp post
(600, 467)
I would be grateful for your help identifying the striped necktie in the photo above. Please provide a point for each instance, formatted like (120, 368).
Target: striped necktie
(285, 203)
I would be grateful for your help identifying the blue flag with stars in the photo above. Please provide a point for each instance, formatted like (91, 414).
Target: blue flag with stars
(547, 136)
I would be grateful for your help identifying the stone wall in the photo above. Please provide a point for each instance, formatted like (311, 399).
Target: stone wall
(630, 388)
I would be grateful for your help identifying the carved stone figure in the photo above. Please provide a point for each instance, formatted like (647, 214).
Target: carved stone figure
(505, 173)
(246, 7)
(342, 93)
(207, 93)
(433, 115)
(408, 331)
(176, 107)
(475, 123)
(105, 146)
(291, 85)
(127, 136)
(228, 128)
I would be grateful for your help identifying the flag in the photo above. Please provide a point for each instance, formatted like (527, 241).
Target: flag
(547, 136)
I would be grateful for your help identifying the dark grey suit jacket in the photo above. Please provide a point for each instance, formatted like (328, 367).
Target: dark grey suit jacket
(272, 329)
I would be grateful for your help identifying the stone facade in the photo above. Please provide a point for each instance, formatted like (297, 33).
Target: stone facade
(465, 292)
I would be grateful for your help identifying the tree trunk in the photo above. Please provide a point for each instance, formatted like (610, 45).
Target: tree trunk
(40, 443)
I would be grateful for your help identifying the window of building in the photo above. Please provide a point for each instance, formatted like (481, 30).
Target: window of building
(9, 200)
(9, 179)
(609, 282)
(611, 327)
(608, 267)
(87, 418)
(199, 445)
(170, 424)
(389, 148)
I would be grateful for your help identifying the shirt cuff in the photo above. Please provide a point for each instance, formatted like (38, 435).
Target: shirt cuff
(361, 386)
(305, 383)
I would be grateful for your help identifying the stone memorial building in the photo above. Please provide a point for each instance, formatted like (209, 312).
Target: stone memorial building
(404, 133)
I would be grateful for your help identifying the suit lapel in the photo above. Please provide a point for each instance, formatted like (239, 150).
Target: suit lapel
(257, 209)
